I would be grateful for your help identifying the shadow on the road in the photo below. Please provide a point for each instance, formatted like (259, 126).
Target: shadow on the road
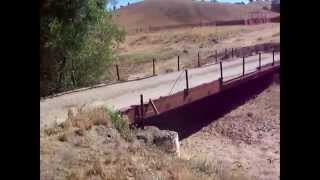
(191, 118)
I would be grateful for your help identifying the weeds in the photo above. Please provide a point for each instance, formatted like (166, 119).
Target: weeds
(121, 124)
(203, 166)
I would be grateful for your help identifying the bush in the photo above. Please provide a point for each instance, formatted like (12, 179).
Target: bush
(121, 124)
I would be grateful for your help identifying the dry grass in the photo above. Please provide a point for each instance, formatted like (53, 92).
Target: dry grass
(180, 12)
(83, 120)
(194, 35)
(276, 34)
(143, 57)
(85, 147)
(135, 55)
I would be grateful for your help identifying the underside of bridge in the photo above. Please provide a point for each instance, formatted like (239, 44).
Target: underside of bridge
(191, 117)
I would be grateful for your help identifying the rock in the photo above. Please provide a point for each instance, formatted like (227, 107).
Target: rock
(58, 121)
(164, 139)
(169, 141)
(147, 134)
(215, 41)
(72, 112)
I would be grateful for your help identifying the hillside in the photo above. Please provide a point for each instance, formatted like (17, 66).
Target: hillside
(150, 13)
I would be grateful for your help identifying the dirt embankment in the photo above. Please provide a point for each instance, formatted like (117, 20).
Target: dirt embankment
(95, 145)
(247, 139)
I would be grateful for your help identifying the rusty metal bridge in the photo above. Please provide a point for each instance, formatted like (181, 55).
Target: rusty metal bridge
(155, 107)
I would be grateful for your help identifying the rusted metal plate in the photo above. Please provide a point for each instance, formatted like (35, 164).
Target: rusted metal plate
(167, 103)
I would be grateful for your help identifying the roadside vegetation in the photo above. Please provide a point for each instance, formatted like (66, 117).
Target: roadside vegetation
(76, 40)
(98, 144)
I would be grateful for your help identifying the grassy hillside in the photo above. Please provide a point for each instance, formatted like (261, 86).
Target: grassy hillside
(176, 12)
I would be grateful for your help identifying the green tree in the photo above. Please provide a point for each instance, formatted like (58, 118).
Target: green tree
(76, 37)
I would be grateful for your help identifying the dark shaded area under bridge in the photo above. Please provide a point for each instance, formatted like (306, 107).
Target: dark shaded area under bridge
(191, 118)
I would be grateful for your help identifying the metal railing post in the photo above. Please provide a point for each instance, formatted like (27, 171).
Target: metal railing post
(187, 81)
(259, 60)
(141, 111)
(221, 74)
(243, 66)
(272, 57)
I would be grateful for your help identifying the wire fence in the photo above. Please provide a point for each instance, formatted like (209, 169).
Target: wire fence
(136, 71)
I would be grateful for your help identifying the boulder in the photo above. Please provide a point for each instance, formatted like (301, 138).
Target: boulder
(166, 140)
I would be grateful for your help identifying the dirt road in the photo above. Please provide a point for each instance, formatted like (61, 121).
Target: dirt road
(117, 96)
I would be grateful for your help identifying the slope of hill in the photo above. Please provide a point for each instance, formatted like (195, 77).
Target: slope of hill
(177, 12)
(275, 6)
(261, 4)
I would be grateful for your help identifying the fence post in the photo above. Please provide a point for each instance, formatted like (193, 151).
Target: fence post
(154, 68)
(216, 56)
(259, 60)
(232, 53)
(141, 111)
(187, 81)
(243, 63)
(198, 59)
(178, 63)
(118, 75)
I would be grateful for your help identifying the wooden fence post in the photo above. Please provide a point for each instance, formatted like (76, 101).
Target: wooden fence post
(178, 63)
(154, 68)
(118, 75)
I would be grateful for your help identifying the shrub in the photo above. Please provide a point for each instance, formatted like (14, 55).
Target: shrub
(121, 124)
(76, 40)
